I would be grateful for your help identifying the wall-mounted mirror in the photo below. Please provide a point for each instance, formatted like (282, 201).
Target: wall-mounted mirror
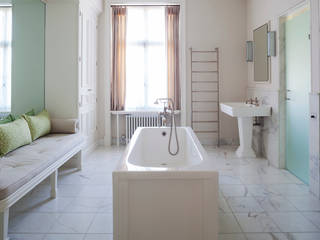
(22, 55)
(260, 49)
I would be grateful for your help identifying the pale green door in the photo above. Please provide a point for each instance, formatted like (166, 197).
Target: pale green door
(298, 81)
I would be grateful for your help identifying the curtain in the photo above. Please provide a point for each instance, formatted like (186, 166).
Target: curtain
(5, 58)
(118, 82)
(172, 30)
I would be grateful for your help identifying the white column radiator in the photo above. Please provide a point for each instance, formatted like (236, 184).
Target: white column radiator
(133, 121)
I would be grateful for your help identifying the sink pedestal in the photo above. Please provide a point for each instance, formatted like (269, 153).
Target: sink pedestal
(245, 125)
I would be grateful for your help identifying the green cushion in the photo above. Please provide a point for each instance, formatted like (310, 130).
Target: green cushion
(13, 135)
(30, 113)
(39, 125)
(7, 119)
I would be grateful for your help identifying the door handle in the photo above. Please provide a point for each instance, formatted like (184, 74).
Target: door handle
(288, 99)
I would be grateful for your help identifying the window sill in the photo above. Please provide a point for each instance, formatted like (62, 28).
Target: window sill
(126, 112)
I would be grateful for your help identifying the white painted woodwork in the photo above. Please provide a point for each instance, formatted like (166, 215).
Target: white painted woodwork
(71, 63)
(54, 184)
(4, 222)
(88, 47)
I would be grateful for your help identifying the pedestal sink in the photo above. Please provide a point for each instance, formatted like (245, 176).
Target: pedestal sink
(245, 113)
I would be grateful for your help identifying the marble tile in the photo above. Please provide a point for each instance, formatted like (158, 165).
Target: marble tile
(293, 222)
(98, 237)
(83, 208)
(259, 190)
(275, 179)
(267, 236)
(223, 205)
(305, 203)
(69, 190)
(303, 236)
(90, 205)
(102, 223)
(98, 191)
(234, 190)
(32, 223)
(244, 204)
(25, 236)
(256, 223)
(232, 236)
(250, 179)
(64, 237)
(289, 189)
(72, 223)
(41, 204)
(275, 204)
(223, 179)
(314, 217)
(228, 224)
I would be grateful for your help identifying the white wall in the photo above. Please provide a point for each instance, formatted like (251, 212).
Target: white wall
(220, 23)
(61, 79)
(260, 12)
(210, 24)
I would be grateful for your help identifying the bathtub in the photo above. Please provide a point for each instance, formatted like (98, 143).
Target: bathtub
(157, 196)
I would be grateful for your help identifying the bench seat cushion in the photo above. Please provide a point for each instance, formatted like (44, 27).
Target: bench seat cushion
(21, 165)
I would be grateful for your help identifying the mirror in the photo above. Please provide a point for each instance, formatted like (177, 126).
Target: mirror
(22, 55)
(260, 49)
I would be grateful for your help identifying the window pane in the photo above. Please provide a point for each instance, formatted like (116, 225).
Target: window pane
(146, 57)
(156, 75)
(156, 25)
(135, 25)
(135, 77)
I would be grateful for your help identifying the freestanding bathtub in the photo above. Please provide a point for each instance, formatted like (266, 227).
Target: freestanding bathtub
(157, 196)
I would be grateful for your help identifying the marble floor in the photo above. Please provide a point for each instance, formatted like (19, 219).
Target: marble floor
(256, 202)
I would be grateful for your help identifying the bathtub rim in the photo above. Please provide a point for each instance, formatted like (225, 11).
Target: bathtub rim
(126, 166)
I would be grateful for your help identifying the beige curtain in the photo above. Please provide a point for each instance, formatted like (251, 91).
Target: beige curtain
(118, 82)
(172, 30)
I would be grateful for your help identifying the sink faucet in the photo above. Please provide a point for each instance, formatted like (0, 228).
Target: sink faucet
(167, 115)
(252, 101)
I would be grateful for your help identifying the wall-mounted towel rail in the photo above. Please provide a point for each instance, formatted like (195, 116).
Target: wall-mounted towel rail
(205, 95)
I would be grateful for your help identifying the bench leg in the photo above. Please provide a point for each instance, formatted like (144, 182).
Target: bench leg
(4, 222)
(54, 184)
(79, 160)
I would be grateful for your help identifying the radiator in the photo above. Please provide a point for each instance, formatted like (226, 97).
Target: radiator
(133, 121)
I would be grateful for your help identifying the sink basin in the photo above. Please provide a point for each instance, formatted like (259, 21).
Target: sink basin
(245, 113)
(235, 109)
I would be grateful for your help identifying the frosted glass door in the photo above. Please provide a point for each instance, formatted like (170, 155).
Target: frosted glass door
(298, 78)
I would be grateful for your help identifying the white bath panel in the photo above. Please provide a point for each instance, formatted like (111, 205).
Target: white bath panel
(171, 206)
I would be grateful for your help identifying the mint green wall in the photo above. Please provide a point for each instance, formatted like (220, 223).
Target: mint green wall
(28, 55)
(298, 81)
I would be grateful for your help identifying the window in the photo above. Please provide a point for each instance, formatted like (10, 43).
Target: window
(5, 58)
(145, 57)
(146, 63)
